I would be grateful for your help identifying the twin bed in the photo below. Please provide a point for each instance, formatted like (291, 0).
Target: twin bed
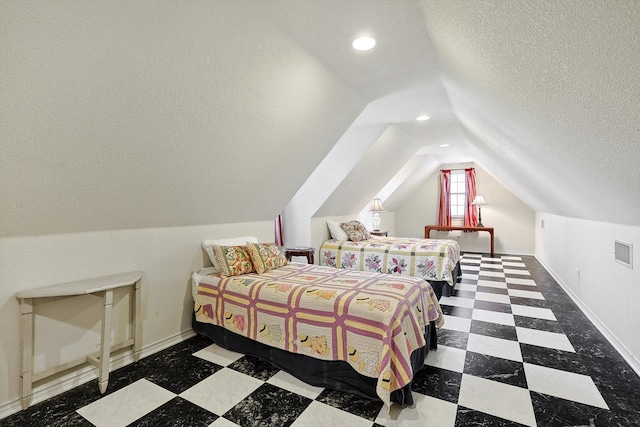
(364, 332)
(434, 260)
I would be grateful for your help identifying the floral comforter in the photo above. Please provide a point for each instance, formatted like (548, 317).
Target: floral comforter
(429, 259)
(372, 321)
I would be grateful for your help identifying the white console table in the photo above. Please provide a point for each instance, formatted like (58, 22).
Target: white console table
(102, 286)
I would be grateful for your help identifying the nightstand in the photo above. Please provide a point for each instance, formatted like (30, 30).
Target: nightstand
(300, 251)
(379, 233)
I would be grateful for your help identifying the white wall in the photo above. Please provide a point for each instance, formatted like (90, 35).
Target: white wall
(511, 218)
(168, 256)
(580, 255)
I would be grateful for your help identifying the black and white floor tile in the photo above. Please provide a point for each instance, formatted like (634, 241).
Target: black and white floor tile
(514, 351)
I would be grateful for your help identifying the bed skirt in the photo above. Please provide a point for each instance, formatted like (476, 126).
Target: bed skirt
(442, 288)
(335, 375)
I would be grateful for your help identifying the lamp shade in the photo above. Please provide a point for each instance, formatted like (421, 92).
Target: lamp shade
(479, 200)
(376, 206)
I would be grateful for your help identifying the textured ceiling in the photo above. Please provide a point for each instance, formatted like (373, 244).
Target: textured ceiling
(146, 114)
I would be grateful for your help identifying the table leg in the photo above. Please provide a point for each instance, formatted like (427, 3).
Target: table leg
(105, 342)
(137, 320)
(26, 315)
(492, 252)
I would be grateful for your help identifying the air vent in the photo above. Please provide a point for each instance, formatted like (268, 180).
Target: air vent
(623, 253)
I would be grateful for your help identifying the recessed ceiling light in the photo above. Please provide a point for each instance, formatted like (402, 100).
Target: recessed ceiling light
(363, 43)
(422, 118)
(444, 145)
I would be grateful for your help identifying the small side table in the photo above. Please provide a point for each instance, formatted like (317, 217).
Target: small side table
(300, 251)
(382, 233)
(101, 286)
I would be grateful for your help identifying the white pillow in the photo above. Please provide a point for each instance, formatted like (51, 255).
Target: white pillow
(207, 245)
(336, 231)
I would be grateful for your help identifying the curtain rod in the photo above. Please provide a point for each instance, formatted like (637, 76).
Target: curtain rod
(461, 169)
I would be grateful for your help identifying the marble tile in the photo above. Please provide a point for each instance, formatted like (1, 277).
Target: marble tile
(254, 367)
(471, 255)
(511, 258)
(468, 417)
(218, 355)
(485, 273)
(493, 317)
(563, 384)
(515, 271)
(520, 281)
(452, 310)
(544, 339)
(428, 411)
(456, 301)
(465, 287)
(444, 357)
(495, 369)
(513, 264)
(465, 294)
(469, 267)
(291, 383)
(536, 312)
(496, 347)
(437, 382)
(470, 260)
(469, 276)
(502, 299)
(222, 390)
(495, 330)
(553, 358)
(492, 266)
(318, 413)
(133, 402)
(179, 413)
(494, 259)
(536, 323)
(352, 403)
(492, 284)
(492, 306)
(191, 371)
(525, 294)
(457, 323)
(223, 422)
(498, 399)
(452, 338)
(268, 406)
(492, 290)
(532, 302)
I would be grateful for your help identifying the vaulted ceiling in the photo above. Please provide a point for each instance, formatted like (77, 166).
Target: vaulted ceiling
(148, 114)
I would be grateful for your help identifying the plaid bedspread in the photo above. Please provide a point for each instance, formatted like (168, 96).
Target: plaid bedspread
(372, 321)
(429, 259)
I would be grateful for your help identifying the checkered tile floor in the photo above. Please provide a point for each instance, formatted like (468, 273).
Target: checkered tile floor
(514, 351)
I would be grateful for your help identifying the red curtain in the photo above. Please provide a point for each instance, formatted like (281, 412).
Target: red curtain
(470, 211)
(444, 207)
(279, 238)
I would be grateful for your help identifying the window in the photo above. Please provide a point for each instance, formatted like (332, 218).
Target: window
(458, 193)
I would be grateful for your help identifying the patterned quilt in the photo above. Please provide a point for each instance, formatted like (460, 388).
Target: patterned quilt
(430, 259)
(372, 321)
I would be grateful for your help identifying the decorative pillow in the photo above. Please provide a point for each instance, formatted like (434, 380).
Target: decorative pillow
(355, 230)
(336, 230)
(265, 256)
(232, 260)
(207, 245)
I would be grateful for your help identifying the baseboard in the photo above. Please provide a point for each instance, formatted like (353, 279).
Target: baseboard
(610, 336)
(88, 373)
